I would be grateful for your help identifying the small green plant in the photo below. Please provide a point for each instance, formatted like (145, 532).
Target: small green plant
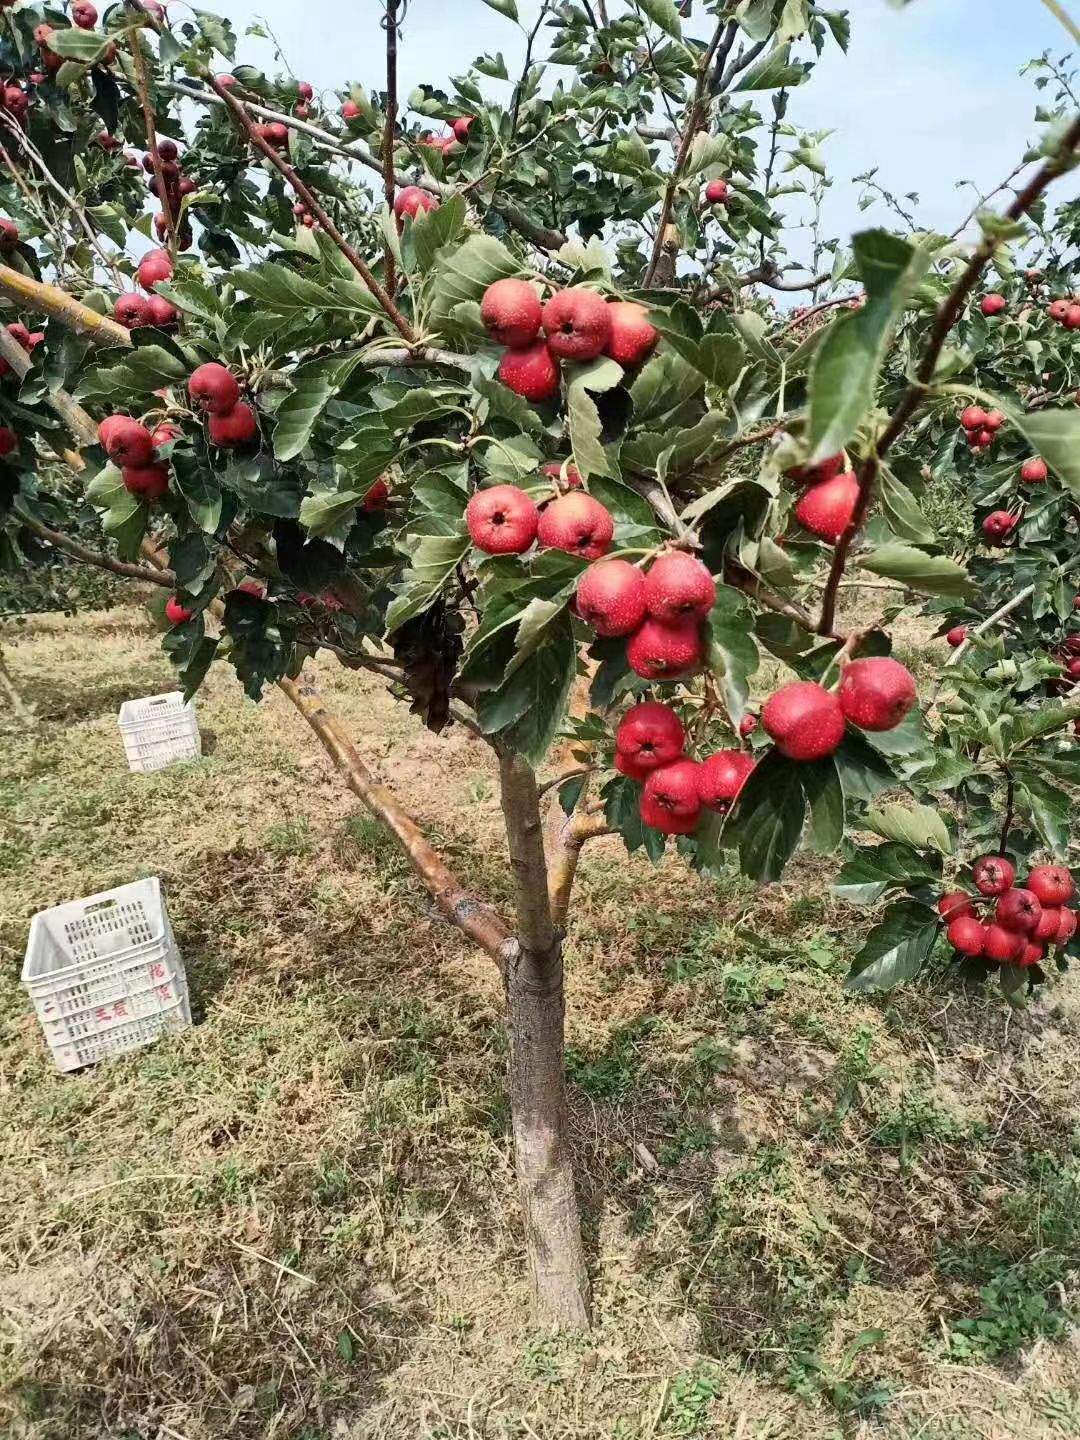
(688, 1399)
(812, 1379)
(290, 837)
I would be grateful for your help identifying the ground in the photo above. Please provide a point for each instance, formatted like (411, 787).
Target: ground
(808, 1214)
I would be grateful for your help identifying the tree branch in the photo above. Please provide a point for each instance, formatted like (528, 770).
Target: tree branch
(143, 88)
(947, 315)
(562, 869)
(52, 301)
(243, 122)
(87, 556)
(389, 131)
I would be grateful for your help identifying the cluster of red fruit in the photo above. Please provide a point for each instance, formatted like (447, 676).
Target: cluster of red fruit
(302, 108)
(231, 421)
(504, 520)
(660, 610)
(1026, 919)
(1065, 312)
(131, 446)
(28, 339)
(980, 426)
(50, 60)
(305, 217)
(275, 133)
(649, 748)
(177, 185)
(829, 501)
(578, 324)
(134, 310)
(459, 135)
(806, 721)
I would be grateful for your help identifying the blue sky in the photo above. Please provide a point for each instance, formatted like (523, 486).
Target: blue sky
(929, 93)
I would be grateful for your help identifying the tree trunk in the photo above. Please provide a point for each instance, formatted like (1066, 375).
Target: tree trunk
(534, 1003)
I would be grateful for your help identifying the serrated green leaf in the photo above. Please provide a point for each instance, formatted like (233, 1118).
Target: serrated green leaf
(825, 797)
(1053, 434)
(216, 31)
(767, 818)
(585, 429)
(934, 574)
(875, 869)
(433, 560)
(86, 46)
(528, 708)
(295, 417)
(896, 949)
(506, 8)
(663, 14)
(846, 364)
(919, 826)
(323, 510)
(730, 651)
(773, 71)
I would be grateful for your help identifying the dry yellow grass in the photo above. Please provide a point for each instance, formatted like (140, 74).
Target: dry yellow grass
(298, 1220)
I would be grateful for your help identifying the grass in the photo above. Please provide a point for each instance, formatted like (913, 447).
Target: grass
(808, 1214)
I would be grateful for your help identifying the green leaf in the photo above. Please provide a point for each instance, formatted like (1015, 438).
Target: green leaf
(934, 574)
(528, 708)
(773, 71)
(844, 372)
(86, 46)
(504, 7)
(730, 652)
(873, 870)
(598, 375)
(896, 949)
(464, 273)
(296, 416)
(1014, 983)
(193, 673)
(432, 229)
(863, 772)
(902, 511)
(110, 221)
(663, 14)
(434, 559)
(767, 818)
(200, 489)
(917, 825)
(825, 797)
(146, 368)
(1051, 810)
(217, 32)
(323, 510)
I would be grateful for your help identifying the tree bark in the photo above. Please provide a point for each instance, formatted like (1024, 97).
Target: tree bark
(535, 1007)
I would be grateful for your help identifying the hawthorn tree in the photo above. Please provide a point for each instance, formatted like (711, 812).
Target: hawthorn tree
(507, 416)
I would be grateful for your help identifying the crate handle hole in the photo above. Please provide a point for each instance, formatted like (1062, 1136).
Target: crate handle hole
(101, 905)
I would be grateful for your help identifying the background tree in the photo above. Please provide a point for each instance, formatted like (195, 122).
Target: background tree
(411, 398)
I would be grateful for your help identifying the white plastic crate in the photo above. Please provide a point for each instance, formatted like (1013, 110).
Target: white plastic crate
(104, 974)
(158, 730)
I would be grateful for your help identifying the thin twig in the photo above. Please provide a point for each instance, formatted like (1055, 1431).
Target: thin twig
(87, 556)
(142, 85)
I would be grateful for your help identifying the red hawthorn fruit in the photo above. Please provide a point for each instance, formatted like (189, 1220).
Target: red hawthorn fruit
(611, 597)
(167, 151)
(274, 133)
(1033, 471)
(994, 420)
(626, 766)
(460, 128)
(993, 874)
(186, 186)
(148, 482)
(376, 497)
(9, 235)
(650, 735)
(1057, 310)
(722, 775)
(577, 524)
(577, 323)
(1072, 644)
(1031, 954)
(237, 426)
(1067, 927)
(826, 508)
(661, 651)
(126, 442)
(501, 520)
(1002, 945)
(716, 192)
(161, 313)
(955, 904)
(1049, 924)
(1072, 318)
(554, 471)
(411, 200)
(993, 304)
(957, 635)
(9, 441)
(213, 388)
(252, 587)
(175, 613)
(511, 311)
(804, 720)
(670, 800)
(304, 90)
(973, 418)
(132, 310)
(350, 110)
(679, 587)
(747, 725)
(155, 265)
(967, 935)
(998, 526)
(1018, 910)
(532, 372)
(163, 433)
(632, 338)
(1052, 884)
(876, 693)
